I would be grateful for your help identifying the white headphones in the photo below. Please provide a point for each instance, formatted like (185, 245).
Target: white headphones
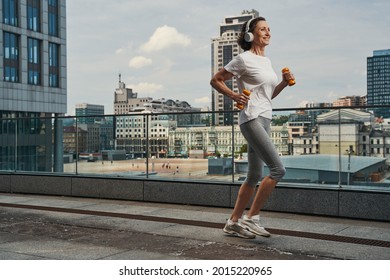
(248, 36)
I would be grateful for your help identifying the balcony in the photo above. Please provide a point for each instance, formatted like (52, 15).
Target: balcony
(61, 156)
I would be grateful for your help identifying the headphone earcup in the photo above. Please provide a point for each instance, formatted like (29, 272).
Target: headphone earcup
(248, 37)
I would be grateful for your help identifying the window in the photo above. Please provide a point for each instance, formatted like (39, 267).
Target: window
(11, 57)
(54, 65)
(34, 61)
(10, 12)
(33, 15)
(53, 18)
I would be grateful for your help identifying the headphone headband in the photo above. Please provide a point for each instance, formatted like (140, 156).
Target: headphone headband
(248, 24)
(248, 36)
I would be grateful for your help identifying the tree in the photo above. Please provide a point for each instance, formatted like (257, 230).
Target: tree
(280, 120)
(244, 149)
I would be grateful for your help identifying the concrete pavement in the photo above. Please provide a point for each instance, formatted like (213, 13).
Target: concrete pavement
(34, 227)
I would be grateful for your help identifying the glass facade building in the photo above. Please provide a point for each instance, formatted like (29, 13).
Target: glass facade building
(32, 83)
(10, 10)
(378, 81)
(10, 57)
(92, 113)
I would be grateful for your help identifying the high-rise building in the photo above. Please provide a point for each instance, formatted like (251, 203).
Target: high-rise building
(32, 83)
(378, 82)
(223, 49)
(92, 113)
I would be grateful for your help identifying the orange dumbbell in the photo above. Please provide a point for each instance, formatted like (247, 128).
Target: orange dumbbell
(247, 93)
(291, 82)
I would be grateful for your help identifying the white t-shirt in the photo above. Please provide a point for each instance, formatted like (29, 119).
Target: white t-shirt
(254, 73)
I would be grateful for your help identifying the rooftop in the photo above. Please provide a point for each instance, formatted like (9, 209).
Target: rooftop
(36, 227)
(330, 162)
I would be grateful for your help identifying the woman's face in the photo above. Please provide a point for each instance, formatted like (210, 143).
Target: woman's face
(262, 33)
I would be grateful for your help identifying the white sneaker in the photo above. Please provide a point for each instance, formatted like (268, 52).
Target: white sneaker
(235, 228)
(253, 225)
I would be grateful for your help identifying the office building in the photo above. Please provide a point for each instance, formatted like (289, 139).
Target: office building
(32, 83)
(223, 49)
(100, 132)
(92, 113)
(140, 118)
(126, 101)
(378, 82)
(339, 130)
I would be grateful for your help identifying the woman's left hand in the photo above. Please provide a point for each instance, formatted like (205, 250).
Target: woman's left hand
(288, 76)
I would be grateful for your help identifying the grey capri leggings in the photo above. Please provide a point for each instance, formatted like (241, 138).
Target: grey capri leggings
(261, 150)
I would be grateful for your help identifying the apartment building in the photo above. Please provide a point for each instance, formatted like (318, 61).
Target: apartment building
(350, 101)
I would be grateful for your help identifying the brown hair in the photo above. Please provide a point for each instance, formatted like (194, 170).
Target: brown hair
(241, 41)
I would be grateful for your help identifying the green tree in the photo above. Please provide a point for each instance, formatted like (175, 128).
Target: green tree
(280, 120)
(244, 149)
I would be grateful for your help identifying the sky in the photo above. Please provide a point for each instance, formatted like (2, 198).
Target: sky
(162, 49)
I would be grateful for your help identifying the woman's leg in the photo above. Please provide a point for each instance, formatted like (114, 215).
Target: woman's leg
(265, 189)
(257, 135)
(244, 195)
(247, 189)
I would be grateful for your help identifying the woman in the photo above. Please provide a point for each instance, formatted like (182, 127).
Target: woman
(254, 72)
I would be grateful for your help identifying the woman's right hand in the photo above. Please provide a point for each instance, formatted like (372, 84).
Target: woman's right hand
(241, 98)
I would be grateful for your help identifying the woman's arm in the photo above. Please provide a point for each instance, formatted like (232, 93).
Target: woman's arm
(284, 83)
(218, 82)
(278, 89)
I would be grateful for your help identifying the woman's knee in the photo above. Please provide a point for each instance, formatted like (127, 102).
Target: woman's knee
(253, 181)
(278, 173)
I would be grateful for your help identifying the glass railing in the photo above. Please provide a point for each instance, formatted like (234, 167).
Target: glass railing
(320, 147)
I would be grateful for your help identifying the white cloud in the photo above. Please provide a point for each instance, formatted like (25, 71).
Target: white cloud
(204, 99)
(124, 49)
(146, 88)
(139, 62)
(119, 51)
(165, 37)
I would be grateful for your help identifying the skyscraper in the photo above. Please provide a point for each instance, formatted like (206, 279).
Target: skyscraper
(223, 49)
(32, 83)
(378, 81)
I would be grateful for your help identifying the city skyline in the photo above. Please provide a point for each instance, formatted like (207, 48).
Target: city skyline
(163, 50)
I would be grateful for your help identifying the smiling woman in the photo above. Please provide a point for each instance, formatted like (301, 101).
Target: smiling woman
(254, 74)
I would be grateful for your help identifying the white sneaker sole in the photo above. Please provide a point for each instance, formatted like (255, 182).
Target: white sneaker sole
(259, 233)
(234, 233)
(263, 234)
